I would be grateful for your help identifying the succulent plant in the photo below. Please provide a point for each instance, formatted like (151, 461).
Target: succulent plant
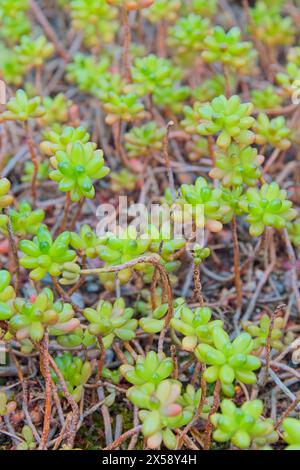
(76, 168)
(160, 412)
(227, 48)
(149, 369)
(291, 433)
(154, 323)
(57, 109)
(270, 26)
(7, 295)
(236, 166)
(75, 371)
(86, 71)
(171, 98)
(33, 52)
(187, 36)
(210, 88)
(125, 107)
(267, 98)
(207, 207)
(25, 221)
(231, 198)
(228, 361)
(5, 198)
(201, 7)
(243, 426)
(58, 140)
(10, 66)
(230, 117)
(150, 72)
(14, 22)
(267, 206)
(42, 174)
(294, 232)
(163, 10)
(22, 108)
(196, 326)
(123, 180)
(272, 131)
(111, 320)
(144, 140)
(260, 332)
(289, 77)
(31, 317)
(28, 442)
(6, 406)
(86, 241)
(43, 255)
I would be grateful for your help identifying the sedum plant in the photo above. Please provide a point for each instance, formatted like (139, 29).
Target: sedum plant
(25, 221)
(230, 118)
(87, 71)
(33, 52)
(28, 442)
(227, 48)
(291, 435)
(272, 131)
(76, 168)
(6, 199)
(154, 323)
(162, 10)
(294, 232)
(236, 166)
(22, 108)
(227, 360)
(125, 107)
(267, 206)
(111, 320)
(6, 406)
(160, 411)
(243, 426)
(260, 332)
(267, 98)
(145, 140)
(75, 371)
(43, 255)
(58, 140)
(196, 326)
(123, 180)
(57, 109)
(86, 241)
(149, 369)
(202, 7)
(7, 295)
(30, 317)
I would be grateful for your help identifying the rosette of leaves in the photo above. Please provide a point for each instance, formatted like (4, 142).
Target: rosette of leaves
(160, 411)
(260, 332)
(294, 232)
(86, 241)
(75, 371)
(272, 131)
(230, 118)
(43, 255)
(291, 435)
(267, 206)
(57, 109)
(202, 7)
(270, 26)
(6, 406)
(231, 198)
(227, 360)
(7, 295)
(154, 323)
(33, 52)
(187, 36)
(149, 369)
(108, 83)
(191, 119)
(25, 221)
(236, 166)
(76, 168)
(268, 98)
(111, 320)
(86, 70)
(227, 48)
(95, 19)
(289, 77)
(171, 98)
(163, 10)
(150, 72)
(10, 67)
(14, 22)
(125, 107)
(144, 140)
(210, 88)
(43, 171)
(28, 442)
(119, 249)
(131, 4)
(243, 427)
(22, 108)
(123, 180)
(59, 139)
(31, 317)
(195, 325)
(206, 203)
(191, 399)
